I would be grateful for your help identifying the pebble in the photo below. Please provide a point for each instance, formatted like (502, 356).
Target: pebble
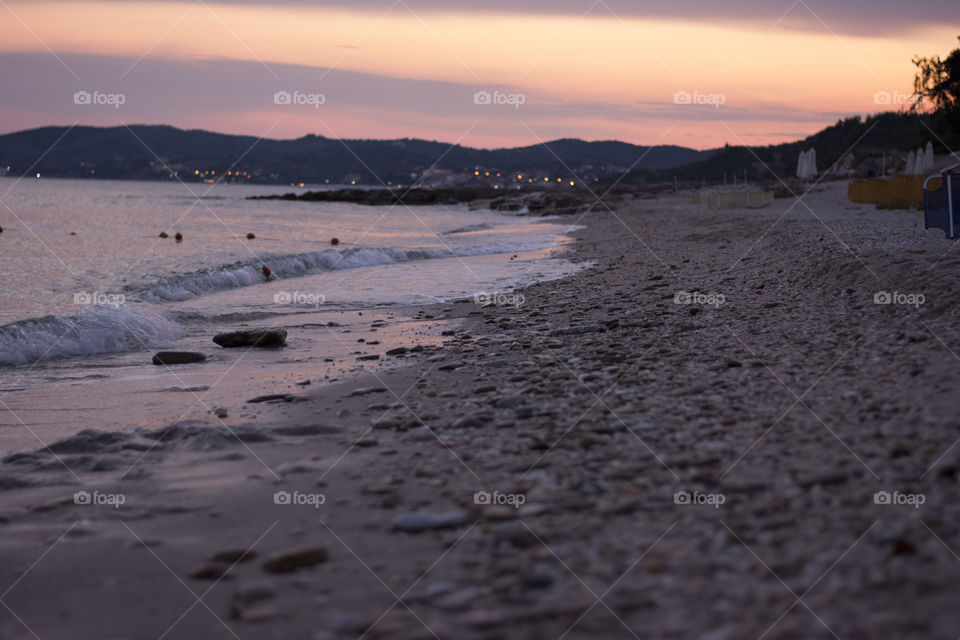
(177, 357)
(289, 560)
(252, 338)
(418, 521)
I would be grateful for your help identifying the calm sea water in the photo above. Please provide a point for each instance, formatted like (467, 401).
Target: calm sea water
(85, 258)
(89, 290)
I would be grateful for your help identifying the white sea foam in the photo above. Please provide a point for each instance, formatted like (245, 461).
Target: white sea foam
(95, 330)
(244, 274)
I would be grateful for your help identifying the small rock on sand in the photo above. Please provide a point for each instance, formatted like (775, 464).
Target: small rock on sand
(232, 556)
(272, 397)
(210, 571)
(417, 521)
(177, 357)
(252, 338)
(289, 560)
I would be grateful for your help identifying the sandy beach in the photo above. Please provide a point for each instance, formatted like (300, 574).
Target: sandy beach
(734, 424)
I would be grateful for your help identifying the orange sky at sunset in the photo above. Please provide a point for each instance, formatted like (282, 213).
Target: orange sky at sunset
(598, 76)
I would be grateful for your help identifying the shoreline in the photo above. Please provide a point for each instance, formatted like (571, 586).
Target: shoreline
(660, 497)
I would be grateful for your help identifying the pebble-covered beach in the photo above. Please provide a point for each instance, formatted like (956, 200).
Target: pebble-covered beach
(734, 424)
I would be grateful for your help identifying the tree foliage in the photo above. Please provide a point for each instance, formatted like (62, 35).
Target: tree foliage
(938, 81)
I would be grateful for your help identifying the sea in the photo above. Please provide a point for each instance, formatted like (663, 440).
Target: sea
(89, 291)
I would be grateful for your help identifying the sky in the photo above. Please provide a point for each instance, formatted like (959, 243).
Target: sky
(488, 73)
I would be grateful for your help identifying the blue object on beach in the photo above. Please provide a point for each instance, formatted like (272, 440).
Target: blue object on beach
(941, 207)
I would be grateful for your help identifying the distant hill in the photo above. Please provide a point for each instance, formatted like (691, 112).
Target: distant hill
(857, 136)
(154, 152)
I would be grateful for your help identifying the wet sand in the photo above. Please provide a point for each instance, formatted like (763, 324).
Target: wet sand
(718, 431)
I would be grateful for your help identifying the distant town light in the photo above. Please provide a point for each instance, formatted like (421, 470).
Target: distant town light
(572, 183)
(519, 176)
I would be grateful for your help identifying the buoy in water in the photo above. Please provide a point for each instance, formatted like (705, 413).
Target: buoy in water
(334, 241)
(250, 236)
(266, 271)
(163, 234)
(178, 237)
